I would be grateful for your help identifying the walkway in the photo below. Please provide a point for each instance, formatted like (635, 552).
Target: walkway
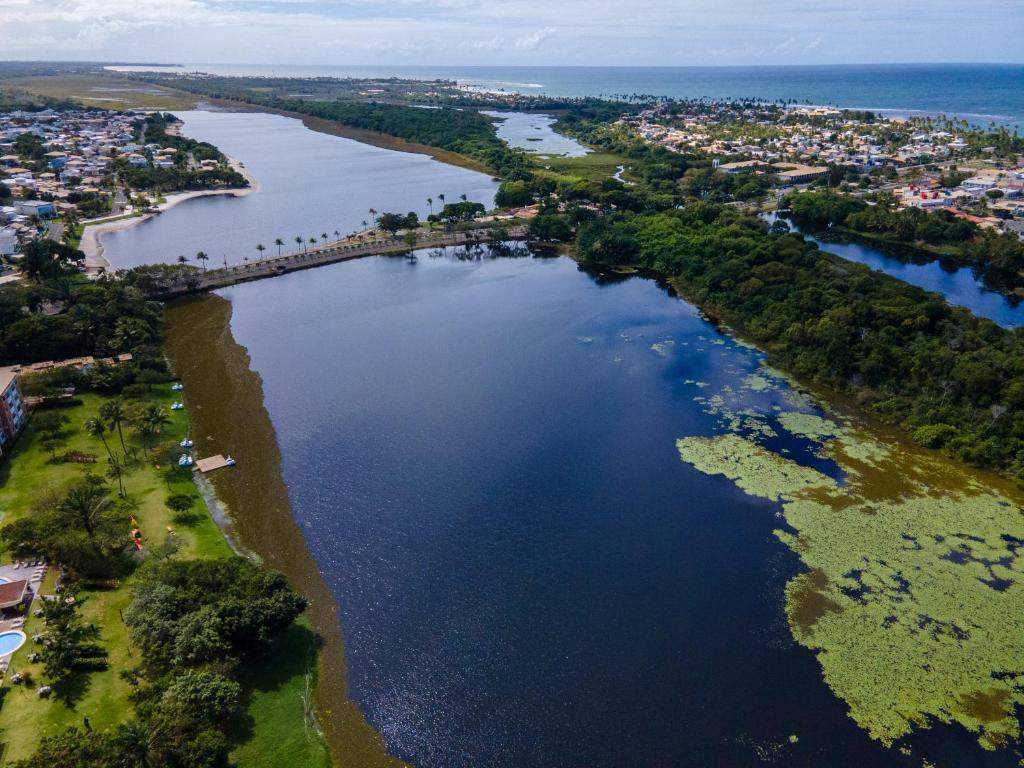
(328, 253)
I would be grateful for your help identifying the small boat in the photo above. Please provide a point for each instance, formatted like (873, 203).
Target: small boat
(185, 460)
(177, 386)
(177, 406)
(186, 443)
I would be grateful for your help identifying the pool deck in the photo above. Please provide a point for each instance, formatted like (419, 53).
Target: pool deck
(32, 571)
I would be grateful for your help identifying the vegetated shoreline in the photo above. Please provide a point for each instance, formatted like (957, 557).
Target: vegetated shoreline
(92, 244)
(226, 409)
(373, 138)
(917, 253)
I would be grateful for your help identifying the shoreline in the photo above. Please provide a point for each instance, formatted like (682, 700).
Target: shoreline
(364, 136)
(91, 243)
(226, 409)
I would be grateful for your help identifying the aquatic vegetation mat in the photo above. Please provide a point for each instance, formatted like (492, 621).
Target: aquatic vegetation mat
(912, 597)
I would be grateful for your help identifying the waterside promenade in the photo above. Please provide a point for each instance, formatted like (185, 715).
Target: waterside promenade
(328, 253)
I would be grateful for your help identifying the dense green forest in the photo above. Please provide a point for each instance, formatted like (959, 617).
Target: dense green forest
(954, 381)
(997, 258)
(99, 317)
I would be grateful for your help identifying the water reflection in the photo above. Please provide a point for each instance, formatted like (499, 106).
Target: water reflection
(957, 285)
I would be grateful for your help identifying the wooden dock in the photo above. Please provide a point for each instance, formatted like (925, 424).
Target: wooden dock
(329, 253)
(210, 463)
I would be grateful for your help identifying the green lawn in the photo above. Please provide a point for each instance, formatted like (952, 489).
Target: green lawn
(596, 166)
(279, 723)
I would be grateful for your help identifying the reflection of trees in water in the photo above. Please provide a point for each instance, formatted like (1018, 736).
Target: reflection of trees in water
(485, 251)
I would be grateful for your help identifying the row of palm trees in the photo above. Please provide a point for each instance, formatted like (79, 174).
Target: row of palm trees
(301, 242)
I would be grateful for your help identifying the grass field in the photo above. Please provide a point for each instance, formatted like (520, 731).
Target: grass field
(279, 721)
(105, 91)
(596, 166)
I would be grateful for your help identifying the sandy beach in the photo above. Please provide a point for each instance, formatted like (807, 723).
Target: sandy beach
(92, 245)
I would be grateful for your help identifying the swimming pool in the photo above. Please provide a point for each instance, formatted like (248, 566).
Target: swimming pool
(11, 641)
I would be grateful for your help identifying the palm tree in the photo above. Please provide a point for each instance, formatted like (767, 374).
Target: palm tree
(260, 248)
(312, 241)
(337, 235)
(114, 413)
(462, 197)
(201, 256)
(323, 236)
(87, 502)
(441, 198)
(115, 470)
(300, 241)
(182, 259)
(156, 416)
(430, 202)
(150, 423)
(278, 242)
(373, 214)
(146, 432)
(97, 428)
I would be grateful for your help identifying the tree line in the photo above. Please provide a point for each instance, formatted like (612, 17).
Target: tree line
(952, 380)
(996, 258)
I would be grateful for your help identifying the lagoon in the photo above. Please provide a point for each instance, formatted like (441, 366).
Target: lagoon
(310, 184)
(957, 285)
(481, 457)
(533, 133)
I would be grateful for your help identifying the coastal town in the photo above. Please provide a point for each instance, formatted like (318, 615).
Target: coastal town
(926, 163)
(64, 169)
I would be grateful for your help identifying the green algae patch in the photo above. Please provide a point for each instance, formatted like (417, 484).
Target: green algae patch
(754, 469)
(757, 382)
(912, 597)
(663, 348)
(808, 425)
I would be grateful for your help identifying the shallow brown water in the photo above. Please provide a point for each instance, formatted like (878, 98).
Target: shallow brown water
(225, 401)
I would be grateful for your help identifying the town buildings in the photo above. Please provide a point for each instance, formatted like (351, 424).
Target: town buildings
(12, 410)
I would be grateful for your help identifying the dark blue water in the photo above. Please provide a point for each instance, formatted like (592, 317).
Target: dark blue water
(978, 92)
(482, 458)
(958, 286)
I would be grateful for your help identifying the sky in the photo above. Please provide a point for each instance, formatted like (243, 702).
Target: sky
(514, 32)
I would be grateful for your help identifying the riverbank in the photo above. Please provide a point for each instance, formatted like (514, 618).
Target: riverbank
(919, 252)
(225, 399)
(91, 243)
(373, 138)
(103, 696)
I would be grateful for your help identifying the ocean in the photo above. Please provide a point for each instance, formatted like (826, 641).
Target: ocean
(980, 93)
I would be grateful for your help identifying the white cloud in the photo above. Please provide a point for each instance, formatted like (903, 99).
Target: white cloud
(511, 31)
(534, 40)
